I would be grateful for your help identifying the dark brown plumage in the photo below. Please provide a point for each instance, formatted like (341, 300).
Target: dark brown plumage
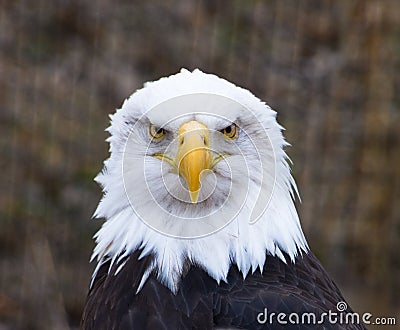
(201, 303)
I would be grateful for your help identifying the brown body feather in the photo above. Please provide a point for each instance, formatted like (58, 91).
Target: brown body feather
(202, 303)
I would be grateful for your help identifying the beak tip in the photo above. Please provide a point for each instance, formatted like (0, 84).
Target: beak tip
(194, 196)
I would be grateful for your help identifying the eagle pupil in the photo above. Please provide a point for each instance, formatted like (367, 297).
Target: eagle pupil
(228, 130)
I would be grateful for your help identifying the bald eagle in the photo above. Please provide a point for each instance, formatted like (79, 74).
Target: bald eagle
(201, 229)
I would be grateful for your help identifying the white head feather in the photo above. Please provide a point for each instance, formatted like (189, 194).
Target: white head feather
(132, 174)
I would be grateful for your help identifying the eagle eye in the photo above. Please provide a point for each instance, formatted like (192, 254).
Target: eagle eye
(156, 133)
(231, 132)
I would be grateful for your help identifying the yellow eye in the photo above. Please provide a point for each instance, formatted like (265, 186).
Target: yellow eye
(231, 132)
(156, 133)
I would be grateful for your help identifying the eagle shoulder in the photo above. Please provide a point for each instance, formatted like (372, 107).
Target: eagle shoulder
(201, 303)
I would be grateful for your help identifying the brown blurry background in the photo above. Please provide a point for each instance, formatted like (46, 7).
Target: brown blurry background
(330, 68)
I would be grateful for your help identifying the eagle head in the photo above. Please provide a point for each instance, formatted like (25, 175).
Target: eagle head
(197, 174)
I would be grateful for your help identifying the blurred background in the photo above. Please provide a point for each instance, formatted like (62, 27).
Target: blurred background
(330, 69)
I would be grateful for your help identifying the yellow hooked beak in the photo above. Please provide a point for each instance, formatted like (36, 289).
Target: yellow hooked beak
(193, 156)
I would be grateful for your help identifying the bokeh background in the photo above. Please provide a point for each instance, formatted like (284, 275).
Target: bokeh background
(330, 68)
